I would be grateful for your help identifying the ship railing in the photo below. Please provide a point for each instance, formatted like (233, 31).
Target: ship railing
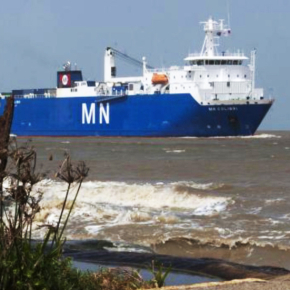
(258, 93)
(35, 96)
(119, 93)
(207, 95)
(165, 70)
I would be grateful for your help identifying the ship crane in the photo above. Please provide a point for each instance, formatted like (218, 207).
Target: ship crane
(109, 63)
(127, 58)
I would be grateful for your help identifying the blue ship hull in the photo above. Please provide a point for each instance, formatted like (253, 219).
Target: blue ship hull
(166, 115)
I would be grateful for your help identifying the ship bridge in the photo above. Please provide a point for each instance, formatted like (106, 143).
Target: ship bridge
(224, 58)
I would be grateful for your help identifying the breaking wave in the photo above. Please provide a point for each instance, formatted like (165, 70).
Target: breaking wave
(159, 195)
(105, 204)
(237, 250)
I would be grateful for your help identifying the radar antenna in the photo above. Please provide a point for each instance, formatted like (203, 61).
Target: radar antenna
(67, 66)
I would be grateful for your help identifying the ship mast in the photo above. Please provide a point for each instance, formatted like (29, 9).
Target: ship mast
(213, 30)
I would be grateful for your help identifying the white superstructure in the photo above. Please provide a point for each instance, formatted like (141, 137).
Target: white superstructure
(210, 77)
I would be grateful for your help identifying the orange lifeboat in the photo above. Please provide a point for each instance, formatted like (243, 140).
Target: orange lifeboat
(159, 79)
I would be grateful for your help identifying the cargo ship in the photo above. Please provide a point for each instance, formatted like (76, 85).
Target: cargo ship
(212, 94)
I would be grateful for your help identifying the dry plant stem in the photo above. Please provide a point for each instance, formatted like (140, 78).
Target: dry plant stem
(60, 217)
(71, 207)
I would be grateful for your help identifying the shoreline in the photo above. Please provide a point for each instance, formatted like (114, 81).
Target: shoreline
(209, 267)
(235, 276)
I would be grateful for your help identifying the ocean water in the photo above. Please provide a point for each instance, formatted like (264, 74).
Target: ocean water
(225, 198)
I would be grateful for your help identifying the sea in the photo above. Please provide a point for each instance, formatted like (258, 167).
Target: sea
(223, 198)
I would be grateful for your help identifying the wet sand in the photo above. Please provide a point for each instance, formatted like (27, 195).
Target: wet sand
(281, 283)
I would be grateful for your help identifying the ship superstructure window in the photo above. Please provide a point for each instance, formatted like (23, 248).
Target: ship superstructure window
(228, 84)
(215, 62)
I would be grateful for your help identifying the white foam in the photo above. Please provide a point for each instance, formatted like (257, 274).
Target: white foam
(263, 136)
(111, 203)
(175, 151)
(256, 136)
(94, 229)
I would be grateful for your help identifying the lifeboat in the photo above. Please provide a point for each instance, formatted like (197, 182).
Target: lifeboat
(159, 79)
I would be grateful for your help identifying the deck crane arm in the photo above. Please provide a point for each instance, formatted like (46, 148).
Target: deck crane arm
(127, 58)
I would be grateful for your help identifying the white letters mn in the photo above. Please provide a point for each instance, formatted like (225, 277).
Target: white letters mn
(89, 116)
(104, 113)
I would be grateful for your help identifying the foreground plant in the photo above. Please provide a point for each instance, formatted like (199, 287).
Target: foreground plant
(159, 272)
(25, 264)
(28, 264)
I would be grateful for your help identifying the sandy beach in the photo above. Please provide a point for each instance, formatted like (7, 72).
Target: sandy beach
(281, 283)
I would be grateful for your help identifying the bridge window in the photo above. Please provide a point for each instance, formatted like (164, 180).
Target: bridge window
(193, 62)
(228, 84)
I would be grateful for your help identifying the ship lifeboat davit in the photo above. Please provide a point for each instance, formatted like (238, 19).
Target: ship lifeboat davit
(159, 79)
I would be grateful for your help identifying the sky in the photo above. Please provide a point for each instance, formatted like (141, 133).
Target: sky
(38, 36)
